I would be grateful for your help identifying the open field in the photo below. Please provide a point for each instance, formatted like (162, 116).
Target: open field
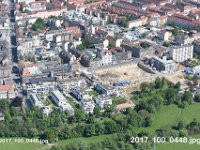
(15, 144)
(170, 115)
(179, 146)
(85, 140)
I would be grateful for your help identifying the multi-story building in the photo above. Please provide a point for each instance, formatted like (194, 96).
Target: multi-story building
(71, 83)
(7, 91)
(5, 71)
(107, 90)
(87, 104)
(36, 6)
(41, 88)
(79, 95)
(25, 1)
(197, 46)
(61, 102)
(140, 49)
(182, 52)
(164, 65)
(36, 101)
(103, 100)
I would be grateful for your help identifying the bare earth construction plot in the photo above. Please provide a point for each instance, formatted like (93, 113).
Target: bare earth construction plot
(177, 77)
(131, 73)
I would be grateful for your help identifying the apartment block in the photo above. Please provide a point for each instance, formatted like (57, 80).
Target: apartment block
(181, 53)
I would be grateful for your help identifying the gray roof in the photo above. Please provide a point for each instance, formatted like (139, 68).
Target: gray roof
(44, 79)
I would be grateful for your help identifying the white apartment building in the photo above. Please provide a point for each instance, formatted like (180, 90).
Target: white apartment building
(36, 101)
(43, 89)
(36, 6)
(103, 100)
(69, 84)
(181, 53)
(87, 105)
(61, 102)
(46, 110)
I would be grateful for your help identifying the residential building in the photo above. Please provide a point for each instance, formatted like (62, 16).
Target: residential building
(164, 35)
(71, 83)
(182, 52)
(46, 110)
(40, 88)
(103, 100)
(7, 91)
(197, 46)
(140, 49)
(87, 104)
(79, 94)
(36, 101)
(137, 23)
(105, 89)
(164, 65)
(5, 71)
(61, 102)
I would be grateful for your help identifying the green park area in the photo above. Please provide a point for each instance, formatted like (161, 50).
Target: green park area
(166, 117)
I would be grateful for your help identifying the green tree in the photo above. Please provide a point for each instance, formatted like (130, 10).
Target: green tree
(177, 85)
(109, 109)
(110, 127)
(175, 32)
(8, 117)
(197, 98)
(51, 134)
(187, 97)
(166, 44)
(170, 96)
(124, 22)
(145, 87)
(97, 112)
(79, 114)
(158, 83)
(33, 132)
(3, 104)
(180, 125)
(99, 128)
(89, 130)
(38, 25)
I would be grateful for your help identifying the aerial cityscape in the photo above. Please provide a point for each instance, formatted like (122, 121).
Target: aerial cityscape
(99, 74)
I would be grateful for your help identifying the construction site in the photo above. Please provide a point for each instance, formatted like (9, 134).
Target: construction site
(128, 73)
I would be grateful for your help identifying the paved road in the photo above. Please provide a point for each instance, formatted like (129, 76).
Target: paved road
(13, 36)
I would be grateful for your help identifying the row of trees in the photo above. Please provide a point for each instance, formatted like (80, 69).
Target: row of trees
(120, 141)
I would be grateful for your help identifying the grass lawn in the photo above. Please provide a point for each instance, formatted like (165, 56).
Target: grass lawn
(22, 146)
(190, 112)
(85, 140)
(179, 146)
(170, 115)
